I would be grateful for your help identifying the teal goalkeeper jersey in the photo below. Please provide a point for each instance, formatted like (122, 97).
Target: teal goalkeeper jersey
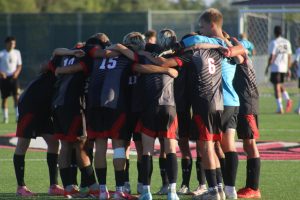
(228, 69)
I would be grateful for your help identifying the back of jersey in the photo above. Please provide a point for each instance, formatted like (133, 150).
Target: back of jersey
(205, 79)
(280, 48)
(108, 85)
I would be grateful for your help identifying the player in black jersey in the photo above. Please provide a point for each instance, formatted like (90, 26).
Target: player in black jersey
(108, 102)
(247, 127)
(34, 121)
(69, 121)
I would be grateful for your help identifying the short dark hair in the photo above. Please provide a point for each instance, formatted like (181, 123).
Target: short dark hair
(150, 33)
(277, 30)
(9, 39)
(212, 15)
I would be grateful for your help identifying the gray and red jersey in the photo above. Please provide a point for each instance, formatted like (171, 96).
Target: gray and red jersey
(69, 88)
(204, 79)
(109, 83)
(245, 85)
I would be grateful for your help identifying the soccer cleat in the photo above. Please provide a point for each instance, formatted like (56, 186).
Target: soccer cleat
(248, 193)
(24, 192)
(120, 196)
(172, 195)
(289, 105)
(230, 193)
(280, 111)
(221, 194)
(56, 190)
(104, 194)
(139, 188)
(200, 190)
(127, 188)
(163, 190)
(71, 191)
(208, 195)
(146, 195)
(184, 190)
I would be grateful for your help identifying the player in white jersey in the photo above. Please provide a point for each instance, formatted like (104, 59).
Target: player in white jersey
(280, 61)
(297, 64)
(10, 68)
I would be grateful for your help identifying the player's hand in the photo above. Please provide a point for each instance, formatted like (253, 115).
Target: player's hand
(78, 53)
(3, 75)
(235, 41)
(57, 71)
(289, 74)
(225, 51)
(15, 75)
(267, 70)
(172, 72)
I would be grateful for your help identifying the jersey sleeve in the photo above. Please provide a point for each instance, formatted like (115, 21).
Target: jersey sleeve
(272, 49)
(19, 61)
(183, 59)
(289, 48)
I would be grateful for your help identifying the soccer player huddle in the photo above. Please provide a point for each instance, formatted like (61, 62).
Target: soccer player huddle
(201, 88)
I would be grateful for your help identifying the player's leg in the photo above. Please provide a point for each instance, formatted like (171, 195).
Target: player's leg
(219, 175)
(200, 172)
(101, 166)
(163, 169)
(19, 165)
(119, 162)
(186, 165)
(4, 107)
(184, 119)
(5, 93)
(248, 131)
(286, 97)
(139, 149)
(147, 165)
(171, 166)
(52, 161)
(15, 93)
(127, 188)
(275, 79)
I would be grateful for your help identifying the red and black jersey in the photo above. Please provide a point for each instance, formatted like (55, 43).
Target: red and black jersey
(109, 83)
(38, 94)
(204, 79)
(69, 88)
(245, 85)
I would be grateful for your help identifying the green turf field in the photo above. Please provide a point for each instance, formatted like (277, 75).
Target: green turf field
(279, 179)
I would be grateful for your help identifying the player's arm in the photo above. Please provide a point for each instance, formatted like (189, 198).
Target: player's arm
(120, 48)
(204, 46)
(68, 52)
(150, 69)
(19, 67)
(236, 50)
(270, 61)
(2, 75)
(105, 53)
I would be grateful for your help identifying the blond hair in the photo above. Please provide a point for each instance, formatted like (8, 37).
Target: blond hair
(212, 15)
(135, 40)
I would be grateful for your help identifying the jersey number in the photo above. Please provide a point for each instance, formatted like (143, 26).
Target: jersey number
(108, 63)
(211, 65)
(69, 61)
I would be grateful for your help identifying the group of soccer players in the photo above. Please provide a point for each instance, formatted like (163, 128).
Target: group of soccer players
(145, 91)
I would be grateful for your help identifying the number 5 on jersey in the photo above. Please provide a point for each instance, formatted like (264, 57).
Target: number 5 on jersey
(110, 63)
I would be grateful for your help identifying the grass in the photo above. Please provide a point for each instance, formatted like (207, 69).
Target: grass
(279, 179)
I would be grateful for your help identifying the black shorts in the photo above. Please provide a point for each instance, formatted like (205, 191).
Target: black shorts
(133, 120)
(277, 77)
(229, 117)
(160, 121)
(32, 125)
(68, 124)
(247, 127)
(207, 126)
(298, 82)
(107, 123)
(8, 87)
(184, 123)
